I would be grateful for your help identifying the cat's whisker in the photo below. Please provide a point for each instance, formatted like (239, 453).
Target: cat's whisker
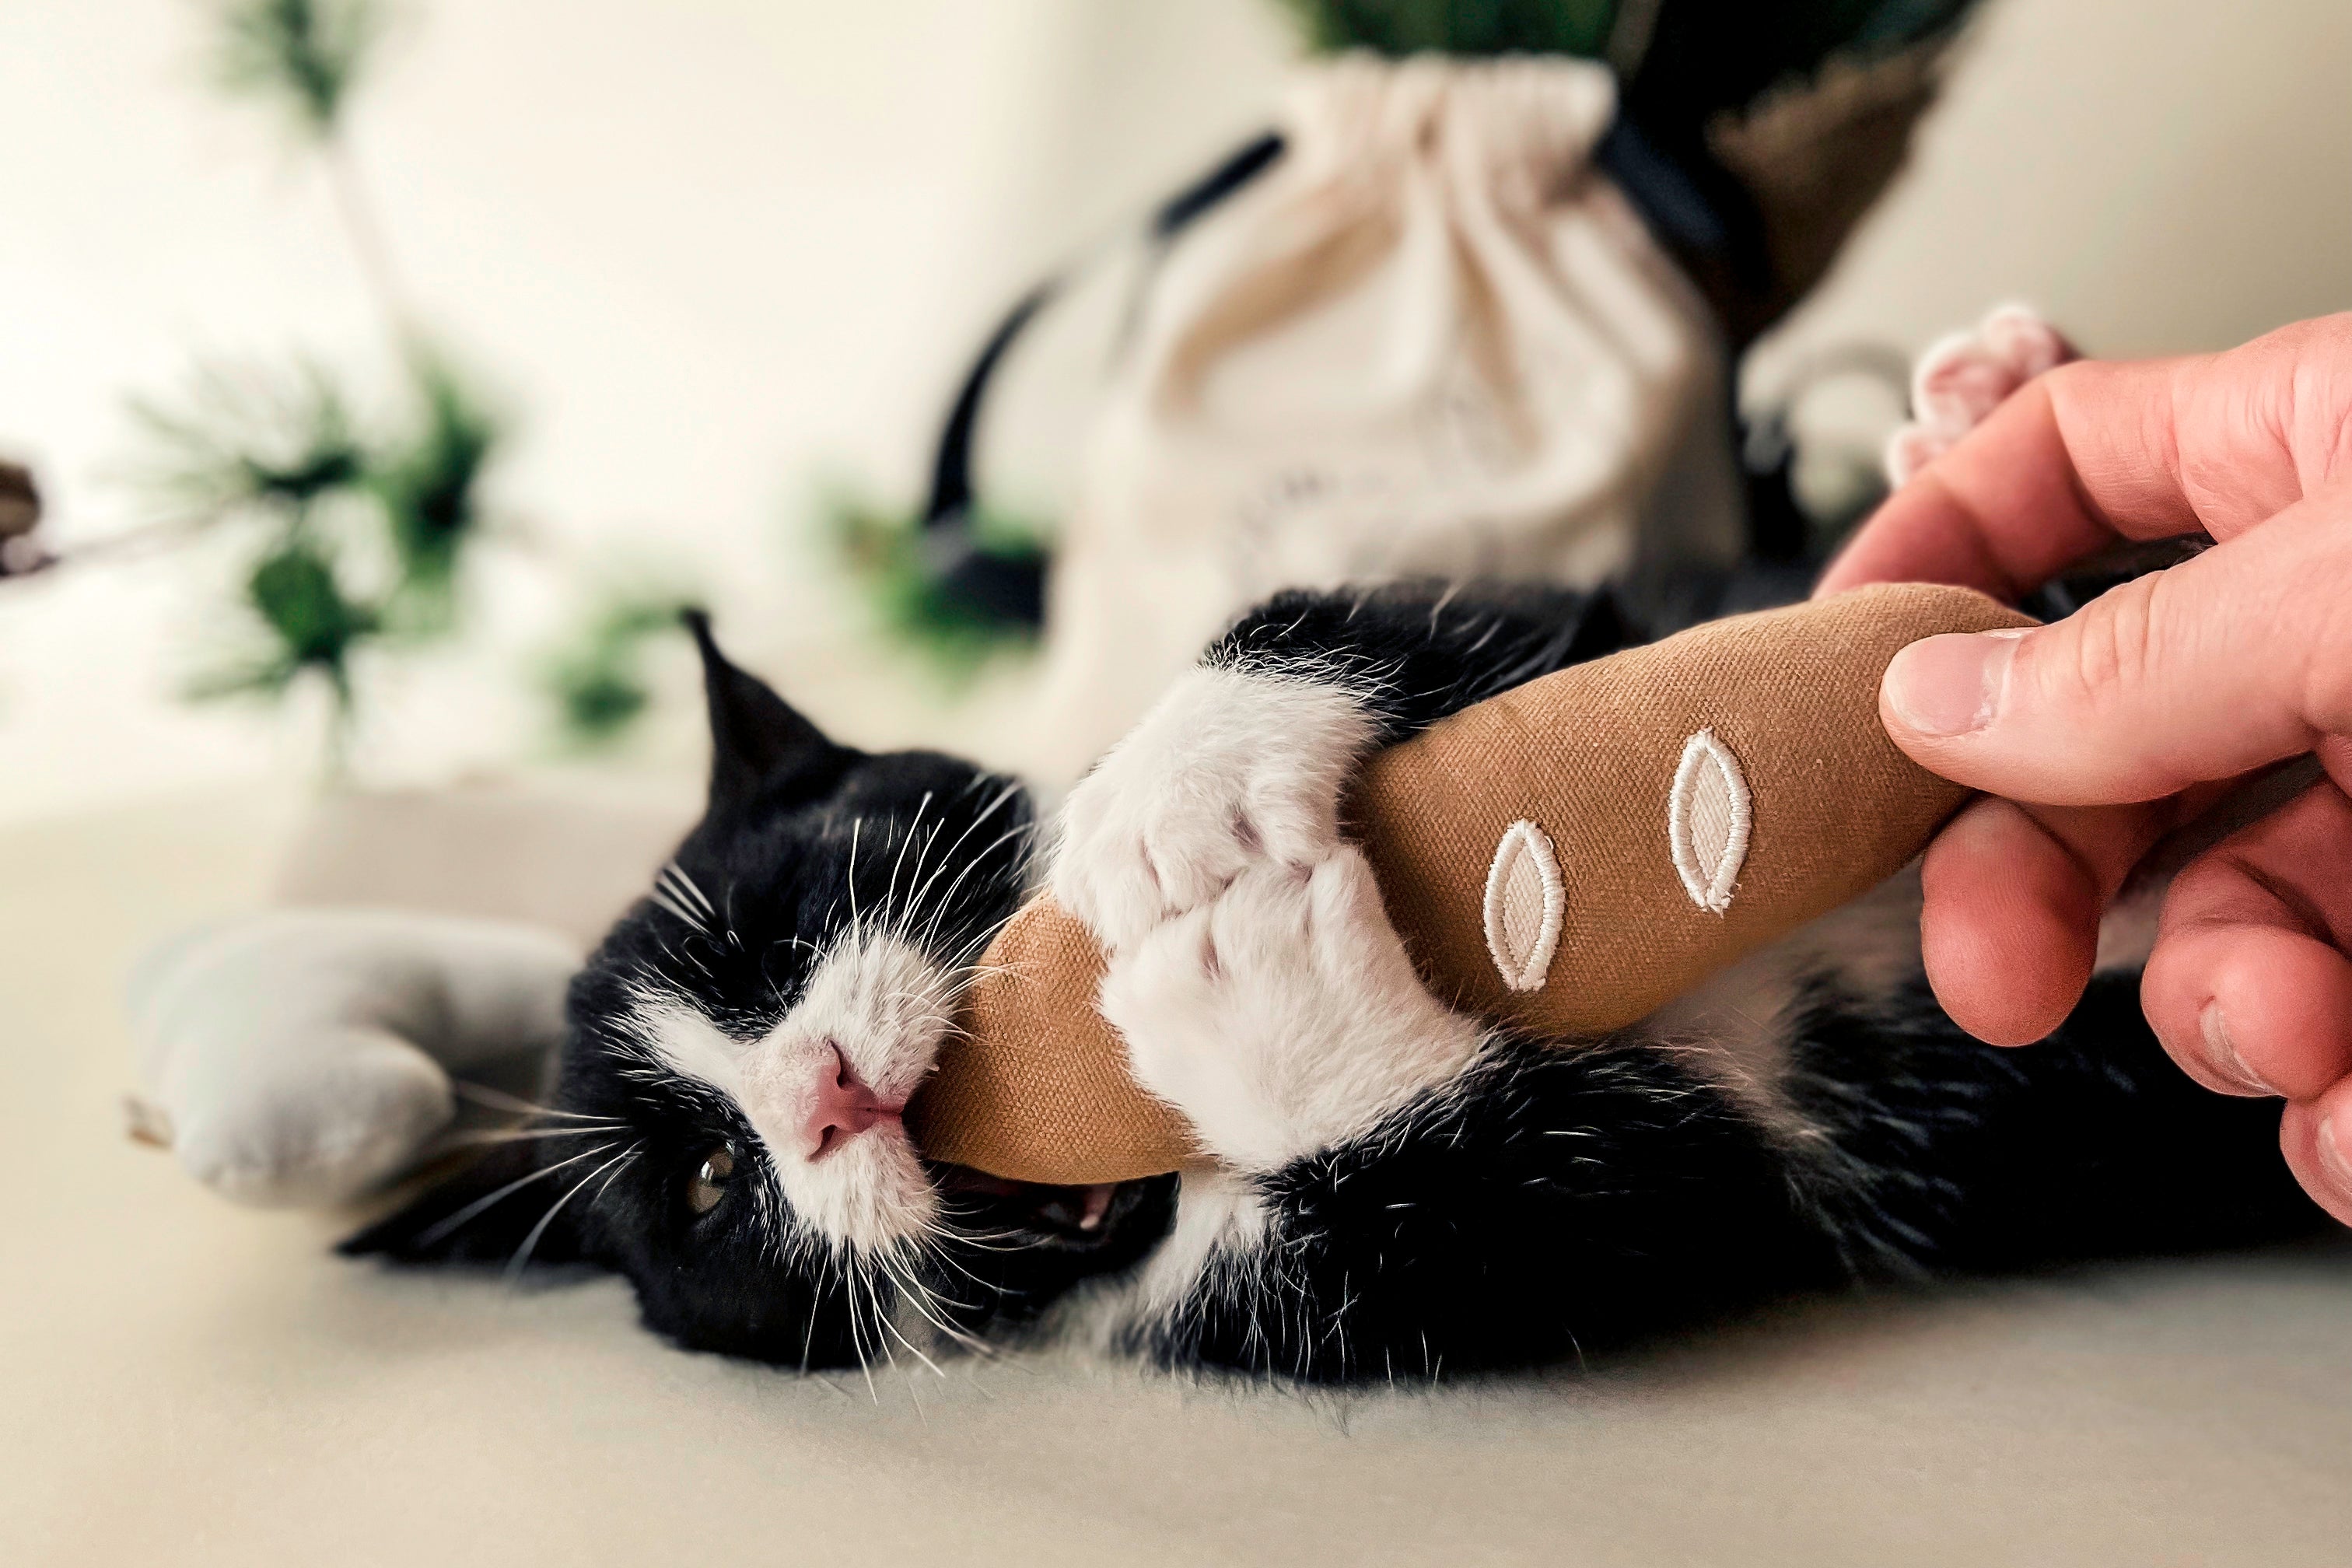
(671, 953)
(891, 893)
(923, 1300)
(918, 880)
(693, 889)
(1012, 788)
(522, 1134)
(884, 1326)
(522, 1254)
(913, 1350)
(443, 1228)
(726, 920)
(662, 899)
(857, 1335)
(500, 1100)
(947, 1260)
(947, 898)
(905, 1291)
(808, 1341)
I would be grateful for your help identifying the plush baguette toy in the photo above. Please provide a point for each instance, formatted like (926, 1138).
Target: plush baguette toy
(1567, 857)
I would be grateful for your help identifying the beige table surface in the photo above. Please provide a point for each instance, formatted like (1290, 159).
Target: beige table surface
(184, 1382)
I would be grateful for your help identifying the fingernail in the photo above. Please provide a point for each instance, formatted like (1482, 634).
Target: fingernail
(2223, 1055)
(1950, 685)
(2334, 1158)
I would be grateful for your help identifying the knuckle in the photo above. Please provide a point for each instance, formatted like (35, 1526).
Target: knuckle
(2114, 641)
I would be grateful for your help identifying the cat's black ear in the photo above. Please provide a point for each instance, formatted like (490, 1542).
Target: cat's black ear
(488, 1210)
(758, 741)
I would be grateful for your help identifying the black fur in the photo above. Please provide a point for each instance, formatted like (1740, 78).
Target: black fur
(1550, 1202)
(1953, 1156)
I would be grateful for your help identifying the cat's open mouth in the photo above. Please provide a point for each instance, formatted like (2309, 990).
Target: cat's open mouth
(1076, 1218)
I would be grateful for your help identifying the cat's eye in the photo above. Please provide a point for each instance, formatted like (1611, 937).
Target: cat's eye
(710, 1184)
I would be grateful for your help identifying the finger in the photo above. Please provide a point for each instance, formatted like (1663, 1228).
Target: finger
(2008, 926)
(2316, 1138)
(2227, 662)
(2092, 452)
(2011, 898)
(2249, 985)
(2001, 510)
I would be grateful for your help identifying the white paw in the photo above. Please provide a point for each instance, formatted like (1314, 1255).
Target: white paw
(1282, 1017)
(1962, 378)
(1230, 771)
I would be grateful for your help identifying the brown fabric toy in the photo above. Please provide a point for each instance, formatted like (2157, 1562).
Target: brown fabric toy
(1567, 858)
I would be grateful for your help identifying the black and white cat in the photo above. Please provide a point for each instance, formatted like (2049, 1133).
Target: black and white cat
(1406, 1190)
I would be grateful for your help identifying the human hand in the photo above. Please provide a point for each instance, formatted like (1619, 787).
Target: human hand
(2096, 736)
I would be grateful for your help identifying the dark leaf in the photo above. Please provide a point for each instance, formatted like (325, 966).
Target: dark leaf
(307, 54)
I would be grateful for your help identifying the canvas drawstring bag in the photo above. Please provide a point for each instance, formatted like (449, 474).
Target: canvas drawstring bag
(1431, 337)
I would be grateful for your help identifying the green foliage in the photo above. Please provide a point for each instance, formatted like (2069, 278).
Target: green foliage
(283, 454)
(883, 551)
(357, 530)
(250, 439)
(294, 591)
(1695, 58)
(426, 483)
(1457, 26)
(597, 682)
(306, 55)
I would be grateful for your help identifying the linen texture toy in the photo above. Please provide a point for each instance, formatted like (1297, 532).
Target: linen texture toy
(1569, 857)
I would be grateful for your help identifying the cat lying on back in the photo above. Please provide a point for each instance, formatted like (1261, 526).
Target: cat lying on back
(1407, 1190)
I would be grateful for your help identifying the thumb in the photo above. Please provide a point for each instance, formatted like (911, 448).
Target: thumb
(2227, 662)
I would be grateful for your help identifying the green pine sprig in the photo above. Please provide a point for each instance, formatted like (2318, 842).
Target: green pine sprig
(428, 483)
(308, 55)
(882, 551)
(1399, 28)
(597, 679)
(284, 456)
(316, 626)
(246, 438)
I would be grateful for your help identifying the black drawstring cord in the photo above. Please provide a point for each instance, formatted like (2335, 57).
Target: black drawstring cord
(1007, 583)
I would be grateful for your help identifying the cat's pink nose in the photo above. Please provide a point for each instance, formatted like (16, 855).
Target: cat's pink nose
(843, 1108)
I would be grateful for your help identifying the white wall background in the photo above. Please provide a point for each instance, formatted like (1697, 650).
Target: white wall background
(715, 250)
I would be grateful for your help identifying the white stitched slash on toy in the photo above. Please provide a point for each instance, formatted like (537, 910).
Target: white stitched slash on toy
(1525, 903)
(1708, 818)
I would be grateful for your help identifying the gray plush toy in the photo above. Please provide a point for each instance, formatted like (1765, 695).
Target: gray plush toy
(304, 1056)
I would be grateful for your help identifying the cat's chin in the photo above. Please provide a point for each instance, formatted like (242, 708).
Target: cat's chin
(1080, 1218)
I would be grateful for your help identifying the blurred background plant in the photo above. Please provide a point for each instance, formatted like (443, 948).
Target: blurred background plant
(597, 678)
(360, 527)
(889, 553)
(1402, 27)
(358, 535)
